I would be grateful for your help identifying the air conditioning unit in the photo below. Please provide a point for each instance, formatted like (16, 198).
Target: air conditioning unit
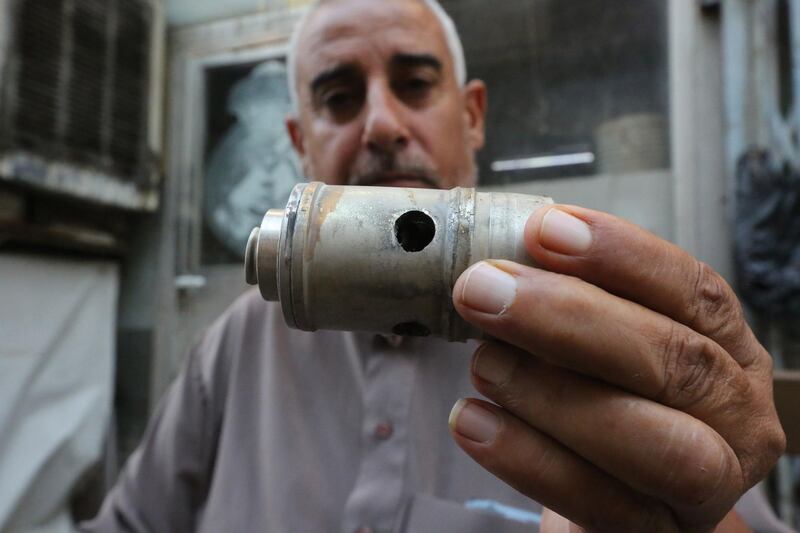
(80, 98)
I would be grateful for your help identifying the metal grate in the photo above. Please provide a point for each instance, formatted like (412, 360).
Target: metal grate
(39, 41)
(80, 84)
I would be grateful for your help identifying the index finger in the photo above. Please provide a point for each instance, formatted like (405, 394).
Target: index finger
(632, 263)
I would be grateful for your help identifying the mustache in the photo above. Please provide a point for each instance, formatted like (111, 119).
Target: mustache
(372, 169)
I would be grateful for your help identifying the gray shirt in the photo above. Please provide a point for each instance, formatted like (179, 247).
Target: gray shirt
(272, 429)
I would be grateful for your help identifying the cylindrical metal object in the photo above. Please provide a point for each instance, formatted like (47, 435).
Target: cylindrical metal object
(382, 259)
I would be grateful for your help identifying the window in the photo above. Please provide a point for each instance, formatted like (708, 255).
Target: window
(583, 80)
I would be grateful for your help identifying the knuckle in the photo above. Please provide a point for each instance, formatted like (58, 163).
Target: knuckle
(696, 488)
(554, 390)
(533, 467)
(760, 453)
(543, 462)
(690, 365)
(774, 443)
(760, 360)
(701, 472)
(768, 365)
(713, 307)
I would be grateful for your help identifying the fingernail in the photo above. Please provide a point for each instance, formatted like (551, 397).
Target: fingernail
(472, 421)
(495, 364)
(564, 233)
(488, 289)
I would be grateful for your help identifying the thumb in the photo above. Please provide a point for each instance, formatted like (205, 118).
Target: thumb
(553, 522)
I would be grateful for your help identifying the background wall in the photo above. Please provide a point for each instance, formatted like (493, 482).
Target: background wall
(185, 12)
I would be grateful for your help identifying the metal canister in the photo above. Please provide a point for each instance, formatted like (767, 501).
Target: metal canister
(382, 259)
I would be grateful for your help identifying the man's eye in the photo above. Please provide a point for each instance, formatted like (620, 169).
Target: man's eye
(337, 99)
(417, 85)
(341, 103)
(414, 88)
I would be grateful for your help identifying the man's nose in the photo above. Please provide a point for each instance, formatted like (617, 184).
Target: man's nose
(385, 130)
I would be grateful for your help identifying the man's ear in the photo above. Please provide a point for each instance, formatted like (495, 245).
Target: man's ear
(475, 112)
(295, 132)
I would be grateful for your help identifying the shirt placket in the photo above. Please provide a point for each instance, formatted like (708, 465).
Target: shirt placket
(377, 495)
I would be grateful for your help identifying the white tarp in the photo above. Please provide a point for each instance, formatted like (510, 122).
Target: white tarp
(57, 331)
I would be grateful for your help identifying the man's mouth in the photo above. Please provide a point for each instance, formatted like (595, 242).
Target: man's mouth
(398, 179)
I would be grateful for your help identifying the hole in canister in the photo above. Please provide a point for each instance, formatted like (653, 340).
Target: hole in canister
(414, 230)
(411, 329)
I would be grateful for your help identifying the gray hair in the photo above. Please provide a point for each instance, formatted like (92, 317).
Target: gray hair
(450, 33)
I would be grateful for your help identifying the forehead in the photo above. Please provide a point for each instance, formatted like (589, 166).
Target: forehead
(366, 32)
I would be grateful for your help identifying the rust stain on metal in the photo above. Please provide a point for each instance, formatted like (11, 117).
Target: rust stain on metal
(327, 205)
(366, 279)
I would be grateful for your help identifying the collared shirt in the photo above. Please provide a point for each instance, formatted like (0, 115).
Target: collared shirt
(277, 430)
(272, 429)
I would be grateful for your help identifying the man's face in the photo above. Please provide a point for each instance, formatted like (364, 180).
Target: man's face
(379, 103)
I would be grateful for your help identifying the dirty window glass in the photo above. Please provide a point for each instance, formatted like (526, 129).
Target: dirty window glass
(575, 87)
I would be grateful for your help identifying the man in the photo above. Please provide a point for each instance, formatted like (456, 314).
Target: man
(629, 394)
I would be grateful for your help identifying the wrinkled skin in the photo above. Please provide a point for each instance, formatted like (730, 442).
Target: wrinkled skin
(629, 393)
(626, 369)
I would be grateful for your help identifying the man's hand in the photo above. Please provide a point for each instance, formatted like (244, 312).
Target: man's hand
(555, 523)
(631, 394)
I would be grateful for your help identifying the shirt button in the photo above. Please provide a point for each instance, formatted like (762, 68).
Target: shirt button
(383, 430)
(394, 341)
(363, 529)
